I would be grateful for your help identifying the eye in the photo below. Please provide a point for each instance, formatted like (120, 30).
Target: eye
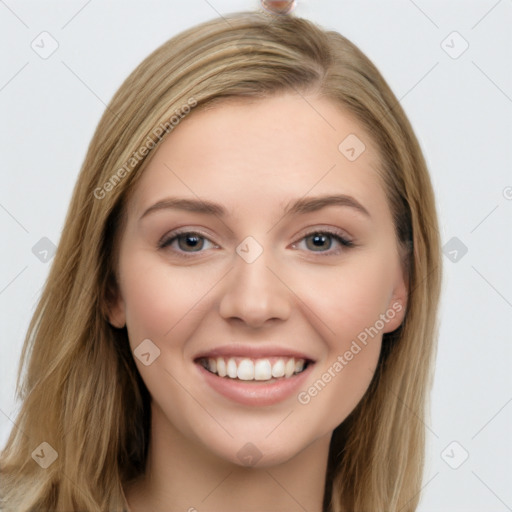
(186, 242)
(322, 241)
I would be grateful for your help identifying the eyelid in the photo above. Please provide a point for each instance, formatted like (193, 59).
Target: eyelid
(324, 228)
(169, 238)
(337, 234)
(182, 231)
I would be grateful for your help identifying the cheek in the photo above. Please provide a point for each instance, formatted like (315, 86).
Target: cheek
(160, 300)
(344, 300)
(345, 307)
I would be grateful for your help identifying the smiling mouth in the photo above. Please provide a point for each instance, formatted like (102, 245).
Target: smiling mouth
(249, 369)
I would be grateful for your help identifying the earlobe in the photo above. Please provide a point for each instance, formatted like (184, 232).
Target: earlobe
(397, 307)
(395, 315)
(115, 307)
(116, 316)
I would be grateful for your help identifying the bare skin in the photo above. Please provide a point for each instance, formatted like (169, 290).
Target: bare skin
(305, 291)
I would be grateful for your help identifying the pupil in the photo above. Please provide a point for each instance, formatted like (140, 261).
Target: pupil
(319, 241)
(190, 242)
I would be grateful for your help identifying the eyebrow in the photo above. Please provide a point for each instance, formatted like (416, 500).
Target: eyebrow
(300, 206)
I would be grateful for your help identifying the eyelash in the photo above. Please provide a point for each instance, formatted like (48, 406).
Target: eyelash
(347, 244)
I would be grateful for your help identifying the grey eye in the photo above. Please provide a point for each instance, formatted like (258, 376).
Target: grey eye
(319, 241)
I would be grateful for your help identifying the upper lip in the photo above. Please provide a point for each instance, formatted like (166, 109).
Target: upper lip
(254, 352)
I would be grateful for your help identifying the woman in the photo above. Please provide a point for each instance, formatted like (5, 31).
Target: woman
(242, 311)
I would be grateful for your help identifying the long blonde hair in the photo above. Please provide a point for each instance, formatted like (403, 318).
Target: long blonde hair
(79, 387)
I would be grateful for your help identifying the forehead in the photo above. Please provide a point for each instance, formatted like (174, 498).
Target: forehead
(273, 149)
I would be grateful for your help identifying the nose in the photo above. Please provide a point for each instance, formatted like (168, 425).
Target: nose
(254, 293)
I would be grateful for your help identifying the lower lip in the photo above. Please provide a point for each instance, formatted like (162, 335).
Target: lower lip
(256, 393)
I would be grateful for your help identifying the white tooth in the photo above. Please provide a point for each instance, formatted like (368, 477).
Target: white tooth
(289, 368)
(245, 370)
(278, 368)
(221, 367)
(212, 365)
(299, 365)
(231, 368)
(262, 369)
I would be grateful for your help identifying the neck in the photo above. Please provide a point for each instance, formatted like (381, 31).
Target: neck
(182, 475)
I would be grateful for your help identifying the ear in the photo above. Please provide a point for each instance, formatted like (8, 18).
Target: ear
(397, 305)
(116, 315)
(115, 305)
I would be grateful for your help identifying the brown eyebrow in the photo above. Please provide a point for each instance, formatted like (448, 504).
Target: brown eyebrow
(312, 204)
(191, 205)
(300, 206)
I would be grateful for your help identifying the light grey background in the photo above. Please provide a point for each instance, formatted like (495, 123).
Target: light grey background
(460, 108)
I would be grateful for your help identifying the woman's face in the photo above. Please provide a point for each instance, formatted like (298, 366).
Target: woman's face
(258, 233)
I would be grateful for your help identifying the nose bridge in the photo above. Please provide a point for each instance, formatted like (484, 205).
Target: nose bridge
(253, 293)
